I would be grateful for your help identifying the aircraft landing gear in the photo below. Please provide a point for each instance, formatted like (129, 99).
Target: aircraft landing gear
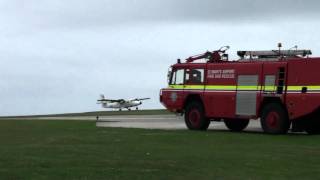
(120, 109)
(129, 109)
(137, 108)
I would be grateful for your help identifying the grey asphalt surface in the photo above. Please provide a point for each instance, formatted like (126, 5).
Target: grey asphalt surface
(167, 122)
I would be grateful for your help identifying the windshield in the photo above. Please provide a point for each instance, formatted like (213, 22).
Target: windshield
(177, 77)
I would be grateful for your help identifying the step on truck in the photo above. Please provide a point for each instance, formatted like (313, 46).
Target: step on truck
(279, 87)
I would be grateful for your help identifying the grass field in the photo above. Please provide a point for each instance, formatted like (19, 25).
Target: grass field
(79, 150)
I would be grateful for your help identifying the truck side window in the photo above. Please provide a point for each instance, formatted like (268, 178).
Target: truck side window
(177, 77)
(195, 76)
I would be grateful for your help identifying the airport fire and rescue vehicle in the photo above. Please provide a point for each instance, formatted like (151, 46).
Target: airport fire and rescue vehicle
(279, 87)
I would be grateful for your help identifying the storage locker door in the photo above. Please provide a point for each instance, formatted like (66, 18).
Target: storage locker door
(246, 100)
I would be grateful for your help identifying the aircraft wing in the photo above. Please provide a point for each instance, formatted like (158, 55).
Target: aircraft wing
(121, 101)
(140, 99)
(112, 100)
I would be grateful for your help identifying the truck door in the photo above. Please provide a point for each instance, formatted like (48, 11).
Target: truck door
(175, 96)
(194, 79)
(274, 80)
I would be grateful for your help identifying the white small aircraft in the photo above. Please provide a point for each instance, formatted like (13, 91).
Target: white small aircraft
(120, 103)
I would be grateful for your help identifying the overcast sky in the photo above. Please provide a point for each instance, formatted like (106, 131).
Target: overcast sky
(57, 56)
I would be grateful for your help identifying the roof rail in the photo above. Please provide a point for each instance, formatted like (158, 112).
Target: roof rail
(274, 53)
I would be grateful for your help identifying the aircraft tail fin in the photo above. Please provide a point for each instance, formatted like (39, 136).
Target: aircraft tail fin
(102, 97)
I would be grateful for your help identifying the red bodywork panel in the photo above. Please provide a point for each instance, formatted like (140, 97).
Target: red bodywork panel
(303, 73)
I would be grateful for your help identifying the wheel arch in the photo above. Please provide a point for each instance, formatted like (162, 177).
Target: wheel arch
(268, 100)
(191, 98)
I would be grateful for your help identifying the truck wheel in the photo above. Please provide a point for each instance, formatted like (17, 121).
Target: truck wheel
(274, 119)
(236, 124)
(195, 118)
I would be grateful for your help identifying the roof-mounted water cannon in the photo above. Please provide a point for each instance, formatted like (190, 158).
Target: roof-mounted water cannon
(223, 49)
(294, 47)
(224, 55)
(214, 56)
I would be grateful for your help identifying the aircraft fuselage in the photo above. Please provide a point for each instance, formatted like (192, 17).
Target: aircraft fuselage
(118, 105)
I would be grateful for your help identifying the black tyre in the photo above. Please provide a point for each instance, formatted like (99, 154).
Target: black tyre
(313, 125)
(274, 119)
(195, 117)
(236, 124)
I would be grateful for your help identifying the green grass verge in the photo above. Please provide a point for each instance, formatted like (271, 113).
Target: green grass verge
(79, 150)
(100, 113)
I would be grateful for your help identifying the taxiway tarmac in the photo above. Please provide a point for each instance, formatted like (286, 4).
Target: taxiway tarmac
(167, 122)
(160, 122)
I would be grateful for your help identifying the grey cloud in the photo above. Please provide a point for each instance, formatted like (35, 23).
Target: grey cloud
(107, 13)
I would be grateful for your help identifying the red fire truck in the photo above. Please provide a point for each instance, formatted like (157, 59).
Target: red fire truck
(279, 87)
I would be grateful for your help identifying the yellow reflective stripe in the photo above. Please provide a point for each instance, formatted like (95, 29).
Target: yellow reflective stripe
(248, 88)
(269, 88)
(232, 87)
(298, 88)
(194, 87)
(294, 88)
(220, 87)
(312, 87)
(176, 86)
